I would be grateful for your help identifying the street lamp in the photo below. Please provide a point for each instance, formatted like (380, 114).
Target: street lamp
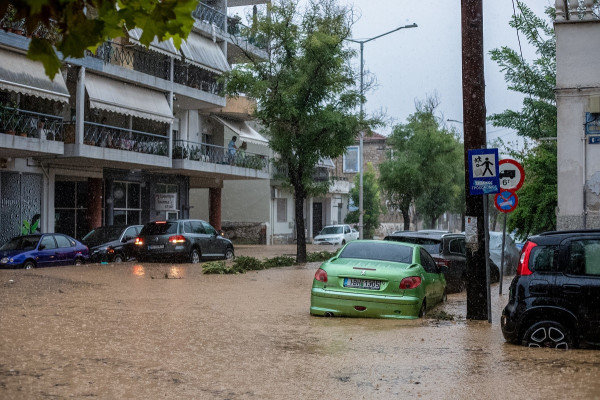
(360, 151)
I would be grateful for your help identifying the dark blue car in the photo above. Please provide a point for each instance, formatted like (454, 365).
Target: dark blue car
(42, 250)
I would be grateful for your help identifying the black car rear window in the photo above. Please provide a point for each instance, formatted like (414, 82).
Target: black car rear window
(543, 258)
(378, 251)
(433, 246)
(159, 228)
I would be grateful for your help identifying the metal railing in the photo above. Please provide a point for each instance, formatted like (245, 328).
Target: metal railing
(232, 25)
(113, 137)
(184, 149)
(134, 57)
(195, 77)
(15, 121)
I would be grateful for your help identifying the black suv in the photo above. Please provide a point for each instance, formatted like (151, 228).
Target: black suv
(554, 299)
(184, 239)
(449, 252)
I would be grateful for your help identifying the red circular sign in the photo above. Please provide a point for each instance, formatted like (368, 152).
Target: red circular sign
(511, 174)
(506, 201)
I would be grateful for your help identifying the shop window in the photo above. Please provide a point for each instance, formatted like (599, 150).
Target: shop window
(126, 203)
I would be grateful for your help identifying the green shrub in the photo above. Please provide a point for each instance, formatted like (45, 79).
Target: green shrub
(280, 261)
(216, 267)
(320, 256)
(242, 264)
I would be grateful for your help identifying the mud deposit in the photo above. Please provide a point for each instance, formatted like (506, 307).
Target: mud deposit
(150, 331)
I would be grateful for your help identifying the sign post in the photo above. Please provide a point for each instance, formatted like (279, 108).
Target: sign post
(484, 179)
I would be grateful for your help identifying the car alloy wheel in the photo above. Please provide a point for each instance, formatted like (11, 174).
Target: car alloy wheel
(118, 258)
(549, 334)
(194, 256)
(78, 261)
(229, 253)
(29, 265)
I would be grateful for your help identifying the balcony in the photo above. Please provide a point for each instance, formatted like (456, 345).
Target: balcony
(202, 158)
(29, 134)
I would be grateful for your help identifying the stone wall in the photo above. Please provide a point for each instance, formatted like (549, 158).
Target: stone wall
(245, 232)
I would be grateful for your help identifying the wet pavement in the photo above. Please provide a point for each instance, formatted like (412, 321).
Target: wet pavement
(148, 331)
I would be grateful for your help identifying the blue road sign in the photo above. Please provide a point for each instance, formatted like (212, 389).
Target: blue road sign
(483, 171)
(506, 201)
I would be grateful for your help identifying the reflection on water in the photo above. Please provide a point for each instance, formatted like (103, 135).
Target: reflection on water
(138, 270)
(176, 272)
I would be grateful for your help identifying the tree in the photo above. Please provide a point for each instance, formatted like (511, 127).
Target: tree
(424, 167)
(371, 203)
(303, 91)
(537, 119)
(84, 25)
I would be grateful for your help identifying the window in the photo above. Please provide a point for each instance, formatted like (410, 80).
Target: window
(208, 229)
(130, 233)
(585, 257)
(62, 241)
(427, 262)
(48, 242)
(282, 210)
(543, 258)
(351, 159)
(127, 203)
(458, 246)
(193, 227)
(70, 208)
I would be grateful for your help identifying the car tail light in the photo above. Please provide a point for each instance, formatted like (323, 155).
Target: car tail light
(523, 267)
(139, 241)
(177, 239)
(410, 283)
(441, 262)
(321, 275)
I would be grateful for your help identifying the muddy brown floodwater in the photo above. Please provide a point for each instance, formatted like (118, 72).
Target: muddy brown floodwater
(150, 331)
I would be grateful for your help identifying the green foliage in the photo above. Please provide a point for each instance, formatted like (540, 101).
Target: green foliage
(425, 166)
(29, 228)
(320, 256)
(85, 25)
(280, 261)
(537, 119)
(243, 264)
(305, 91)
(371, 203)
(217, 268)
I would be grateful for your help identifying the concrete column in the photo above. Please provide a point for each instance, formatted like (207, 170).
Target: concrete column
(214, 207)
(94, 203)
(80, 107)
(109, 203)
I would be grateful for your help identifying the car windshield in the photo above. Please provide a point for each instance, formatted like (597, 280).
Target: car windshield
(431, 245)
(378, 251)
(159, 228)
(331, 230)
(103, 234)
(21, 243)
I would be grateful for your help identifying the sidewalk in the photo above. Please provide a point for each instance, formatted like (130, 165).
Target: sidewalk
(262, 251)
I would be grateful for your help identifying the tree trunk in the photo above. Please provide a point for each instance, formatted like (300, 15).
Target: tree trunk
(433, 222)
(300, 231)
(406, 218)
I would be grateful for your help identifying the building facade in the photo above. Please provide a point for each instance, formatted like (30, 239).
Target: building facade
(122, 135)
(577, 30)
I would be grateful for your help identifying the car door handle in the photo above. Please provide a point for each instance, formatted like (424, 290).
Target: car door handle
(571, 288)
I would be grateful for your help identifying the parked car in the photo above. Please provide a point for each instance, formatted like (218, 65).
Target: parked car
(375, 278)
(554, 297)
(185, 239)
(113, 243)
(336, 234)
(511, 252)
(42, 250)
(449, 252)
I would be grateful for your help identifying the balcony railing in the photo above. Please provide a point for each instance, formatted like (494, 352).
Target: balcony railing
(231, 25)
(184, 149)
(575, 11)
(15, 121)
(134, 57)
(113, 137)
(195, 77)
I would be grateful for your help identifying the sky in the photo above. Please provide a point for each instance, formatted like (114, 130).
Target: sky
(414, 63)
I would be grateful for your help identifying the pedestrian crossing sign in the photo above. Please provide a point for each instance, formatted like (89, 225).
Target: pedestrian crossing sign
(483, 171)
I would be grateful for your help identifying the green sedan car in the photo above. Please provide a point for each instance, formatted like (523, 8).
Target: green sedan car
(381, 279)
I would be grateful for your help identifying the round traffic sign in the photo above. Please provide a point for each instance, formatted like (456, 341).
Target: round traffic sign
(506, 201)
(511, 174)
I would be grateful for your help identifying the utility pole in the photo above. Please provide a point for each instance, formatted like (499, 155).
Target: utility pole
(474, 113)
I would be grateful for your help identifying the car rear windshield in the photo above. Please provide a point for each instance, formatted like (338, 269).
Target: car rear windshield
(103, 234)
(378, 251)
(331, 230)
(159, 228)
(431, 245)
(21, 243)
(543, 258)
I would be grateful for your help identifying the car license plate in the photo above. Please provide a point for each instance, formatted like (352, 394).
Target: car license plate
(362, 284)
(156, 246)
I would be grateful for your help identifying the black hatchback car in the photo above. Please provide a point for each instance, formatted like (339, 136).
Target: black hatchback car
(112, 243)
(554, 299)
(184, 239)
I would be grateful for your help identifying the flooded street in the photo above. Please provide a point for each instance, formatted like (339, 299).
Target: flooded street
(147, 331)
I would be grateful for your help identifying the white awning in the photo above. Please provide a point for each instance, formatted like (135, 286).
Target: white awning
(204, 53)
(166, 47)
(120, 97)
(21, 75)
(326, 163)
(243, 130)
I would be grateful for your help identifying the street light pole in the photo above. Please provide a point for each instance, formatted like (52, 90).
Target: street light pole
(360, 142)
